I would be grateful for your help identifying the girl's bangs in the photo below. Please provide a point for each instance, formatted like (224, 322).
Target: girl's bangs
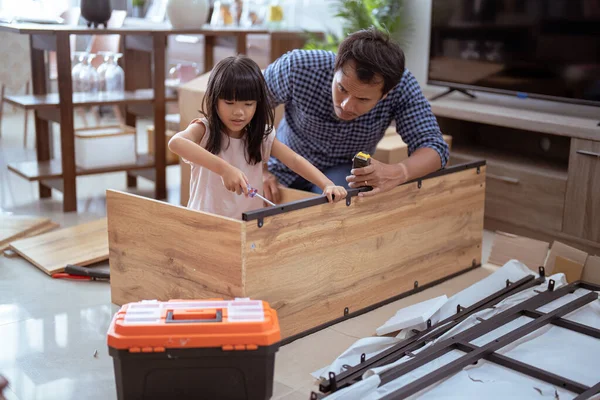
(240, 85)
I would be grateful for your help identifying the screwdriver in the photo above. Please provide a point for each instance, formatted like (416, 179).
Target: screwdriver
(254, 193)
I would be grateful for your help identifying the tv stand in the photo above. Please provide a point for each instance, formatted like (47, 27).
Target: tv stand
(450, 90)
(543, 160)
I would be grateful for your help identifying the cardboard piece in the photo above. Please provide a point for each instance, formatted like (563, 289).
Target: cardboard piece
(591, 270)
(507, 247)
(172, 158)
(565, 251)
(570, 268)
(391, 149)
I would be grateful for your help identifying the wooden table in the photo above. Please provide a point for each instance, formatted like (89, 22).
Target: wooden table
(144, 64)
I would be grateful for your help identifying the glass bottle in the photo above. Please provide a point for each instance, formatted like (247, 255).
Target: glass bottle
(77, 57)
(114, 75)
(88, 76)
(106, 56)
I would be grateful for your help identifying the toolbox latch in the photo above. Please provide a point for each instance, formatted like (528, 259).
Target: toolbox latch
(194, 317)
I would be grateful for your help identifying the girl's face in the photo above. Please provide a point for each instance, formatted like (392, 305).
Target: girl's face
(235, 115)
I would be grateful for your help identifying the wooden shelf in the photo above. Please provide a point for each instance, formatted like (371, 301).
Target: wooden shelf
(538, 166)
(51, 100)
(534, 115)
(51, 170)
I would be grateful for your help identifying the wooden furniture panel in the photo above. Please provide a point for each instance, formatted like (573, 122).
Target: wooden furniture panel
(523, 193)
(310, 261)
(312, 264)
(80, 245)
(162, 251)
(582, 208)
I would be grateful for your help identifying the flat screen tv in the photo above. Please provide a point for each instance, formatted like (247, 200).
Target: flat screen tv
(530, 48)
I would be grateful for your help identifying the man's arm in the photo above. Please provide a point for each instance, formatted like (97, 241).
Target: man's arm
(278, 77)
(418, 128)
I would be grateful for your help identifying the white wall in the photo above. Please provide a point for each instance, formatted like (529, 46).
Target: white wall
(417, 52)
(318, 14)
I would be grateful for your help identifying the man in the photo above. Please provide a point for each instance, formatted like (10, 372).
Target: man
(338, 106)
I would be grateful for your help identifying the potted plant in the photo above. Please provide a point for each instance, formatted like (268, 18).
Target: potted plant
(137, 10)
(385, 15)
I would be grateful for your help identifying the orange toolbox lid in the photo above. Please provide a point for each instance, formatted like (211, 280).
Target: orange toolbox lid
(153, 326)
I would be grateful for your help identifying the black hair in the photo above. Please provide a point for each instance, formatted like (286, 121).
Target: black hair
(376, 57)
(238, 78)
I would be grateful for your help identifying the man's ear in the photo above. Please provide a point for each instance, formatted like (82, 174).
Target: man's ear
(384, 96)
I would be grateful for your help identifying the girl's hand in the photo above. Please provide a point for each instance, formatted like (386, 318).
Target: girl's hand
(235, 180)
(335, 193)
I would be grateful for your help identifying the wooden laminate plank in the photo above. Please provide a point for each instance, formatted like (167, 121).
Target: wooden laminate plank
(178, 253)
(81, 245)
(312, 264)
(47, 227)
(11, 226)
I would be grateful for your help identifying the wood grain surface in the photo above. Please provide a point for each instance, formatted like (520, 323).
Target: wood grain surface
(312, 263)
(81, 245)
(162, 251)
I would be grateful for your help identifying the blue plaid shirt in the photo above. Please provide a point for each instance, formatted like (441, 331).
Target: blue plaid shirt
(302, 81)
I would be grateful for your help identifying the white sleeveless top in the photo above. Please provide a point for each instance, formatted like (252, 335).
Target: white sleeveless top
(207, 192)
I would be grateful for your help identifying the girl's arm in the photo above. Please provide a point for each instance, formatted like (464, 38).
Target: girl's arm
(186, 145)
(302, 167)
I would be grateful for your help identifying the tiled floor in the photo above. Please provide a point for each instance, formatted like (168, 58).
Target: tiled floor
(50, 329)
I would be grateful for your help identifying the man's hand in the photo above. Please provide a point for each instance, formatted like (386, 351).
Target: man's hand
(271, 187)
(381, 177)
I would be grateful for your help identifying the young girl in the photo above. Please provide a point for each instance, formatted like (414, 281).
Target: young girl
(228, 147)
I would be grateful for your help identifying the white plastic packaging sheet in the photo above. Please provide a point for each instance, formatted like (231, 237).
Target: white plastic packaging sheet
(554, 349)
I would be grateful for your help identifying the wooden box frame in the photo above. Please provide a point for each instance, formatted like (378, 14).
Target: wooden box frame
(315, 263)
